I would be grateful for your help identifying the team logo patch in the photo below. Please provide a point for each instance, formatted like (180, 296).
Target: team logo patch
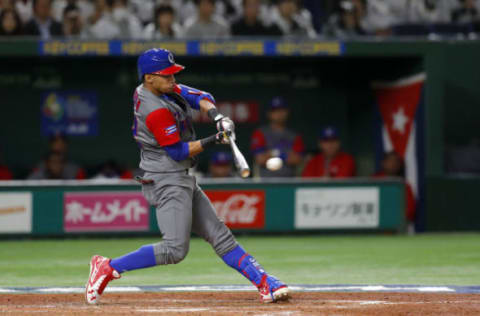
(170, 58)
(170, 130)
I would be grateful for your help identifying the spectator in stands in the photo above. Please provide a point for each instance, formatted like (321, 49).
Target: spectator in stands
(428, 12)
(221, 165)
(24, 9)
(58, 145)
(85, 8)
(164, 25)
(345, 23)
(393, 166)
(250, 24)
(292, 21)
(145, 9)
(206, 24)
(467, 12)
(112, 19)
(72, 21)
(276, 140)
(111, 170)
(10, 23)
(378, 17)
(5, 173)
(331, 162)
(42, 24)
(55, 167)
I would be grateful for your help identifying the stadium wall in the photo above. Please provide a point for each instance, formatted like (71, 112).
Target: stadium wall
(330, 81)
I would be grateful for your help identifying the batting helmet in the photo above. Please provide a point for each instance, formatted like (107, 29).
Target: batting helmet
(157, 61)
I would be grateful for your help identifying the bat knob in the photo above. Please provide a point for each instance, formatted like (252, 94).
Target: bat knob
(245, 173)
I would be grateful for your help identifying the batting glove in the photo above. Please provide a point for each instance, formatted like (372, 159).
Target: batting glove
(224, 123)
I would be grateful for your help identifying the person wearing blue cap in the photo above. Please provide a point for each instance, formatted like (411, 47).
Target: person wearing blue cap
(276, 140)
(221, 165)
(164, 131)
(331, 162)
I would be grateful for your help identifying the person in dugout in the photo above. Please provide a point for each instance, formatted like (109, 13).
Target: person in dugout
(331, 162)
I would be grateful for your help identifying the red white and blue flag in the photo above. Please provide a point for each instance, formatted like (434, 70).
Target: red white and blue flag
(400, 128)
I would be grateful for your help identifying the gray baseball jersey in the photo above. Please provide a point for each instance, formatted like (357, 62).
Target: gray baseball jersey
(153, 157)
(181, 205)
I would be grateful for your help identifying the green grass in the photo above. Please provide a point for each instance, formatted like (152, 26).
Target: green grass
(433, 259)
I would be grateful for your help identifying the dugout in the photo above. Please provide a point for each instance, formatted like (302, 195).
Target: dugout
(325, 82)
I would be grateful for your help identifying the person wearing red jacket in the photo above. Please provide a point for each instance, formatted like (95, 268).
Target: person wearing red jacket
(331, 162)
(393, 166)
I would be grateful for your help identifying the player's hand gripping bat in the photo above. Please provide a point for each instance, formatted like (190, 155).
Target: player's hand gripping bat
(226, 124)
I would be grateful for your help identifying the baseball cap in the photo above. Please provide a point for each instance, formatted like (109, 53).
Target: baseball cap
(221, 158)
(329, 132)
(157, 61)
(278, 103)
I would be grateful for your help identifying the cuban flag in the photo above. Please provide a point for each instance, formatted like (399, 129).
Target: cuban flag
(400, 128)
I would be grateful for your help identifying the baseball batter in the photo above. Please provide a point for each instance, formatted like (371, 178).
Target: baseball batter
(163, 129)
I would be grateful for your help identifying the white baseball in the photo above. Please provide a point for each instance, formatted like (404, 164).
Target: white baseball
(274, 163)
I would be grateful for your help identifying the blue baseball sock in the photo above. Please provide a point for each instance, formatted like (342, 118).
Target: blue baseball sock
(244, 263)
(139, 259)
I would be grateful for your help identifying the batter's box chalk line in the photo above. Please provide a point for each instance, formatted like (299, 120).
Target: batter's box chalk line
(248, 288)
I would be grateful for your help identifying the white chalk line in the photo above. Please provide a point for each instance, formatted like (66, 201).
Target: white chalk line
(236, 288)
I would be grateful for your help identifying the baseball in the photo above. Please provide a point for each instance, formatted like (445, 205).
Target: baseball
(274, 163)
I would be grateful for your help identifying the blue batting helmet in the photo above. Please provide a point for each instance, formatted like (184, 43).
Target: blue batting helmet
(157, 61)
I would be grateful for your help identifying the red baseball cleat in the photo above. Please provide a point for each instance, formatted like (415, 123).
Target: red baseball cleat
(100, 274)
(273, 290)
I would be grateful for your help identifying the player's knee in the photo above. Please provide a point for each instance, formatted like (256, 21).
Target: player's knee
(178, 253)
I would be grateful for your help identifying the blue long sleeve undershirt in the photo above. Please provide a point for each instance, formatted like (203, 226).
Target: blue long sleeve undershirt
(178, 151)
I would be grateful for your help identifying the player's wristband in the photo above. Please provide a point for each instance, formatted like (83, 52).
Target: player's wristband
(208, 141)
(214, 115)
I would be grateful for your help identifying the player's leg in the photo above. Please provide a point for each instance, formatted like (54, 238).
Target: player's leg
(174, 216)
(207, 225)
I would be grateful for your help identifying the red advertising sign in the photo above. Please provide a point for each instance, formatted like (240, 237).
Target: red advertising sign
(238, 111)
(105, 211)
(239, 209)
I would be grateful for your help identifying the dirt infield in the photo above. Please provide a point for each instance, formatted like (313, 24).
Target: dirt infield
(243, 303)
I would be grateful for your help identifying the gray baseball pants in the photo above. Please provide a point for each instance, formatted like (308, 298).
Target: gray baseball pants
(181, 208)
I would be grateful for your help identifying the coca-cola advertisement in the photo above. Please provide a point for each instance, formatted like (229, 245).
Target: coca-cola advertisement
(239, 209)
(105, 211)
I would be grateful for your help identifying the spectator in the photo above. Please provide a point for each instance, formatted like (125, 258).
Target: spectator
(205, 24)
(144, 9)
(55, 167)
(85, 8)
(331, 162)
(42, 24)
(112, 19)
(72, 21)
(111, 170)
(220, 165)
(345, 23)
(393, 166)
(250, 24)
(467, 12)
(10, 23)
(164, 25)
(184, 9)
(58, 145)
(292, 21)
(276, 140)
(428, 12)
(24, 9)
(378, 17)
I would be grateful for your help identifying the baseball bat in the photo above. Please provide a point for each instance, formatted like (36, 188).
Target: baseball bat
(239, 159)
